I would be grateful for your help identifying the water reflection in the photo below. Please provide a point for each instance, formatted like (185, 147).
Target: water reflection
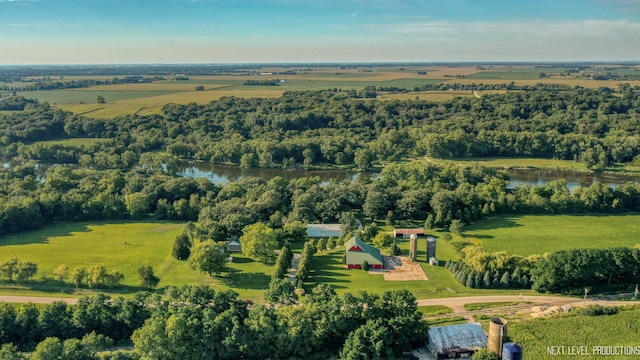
(222, 173)
(574, 179)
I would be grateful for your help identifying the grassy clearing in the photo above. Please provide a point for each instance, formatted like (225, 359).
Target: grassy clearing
(508, 163)
(72, 142)
(537, 234)
(103, 243)
(433, 310)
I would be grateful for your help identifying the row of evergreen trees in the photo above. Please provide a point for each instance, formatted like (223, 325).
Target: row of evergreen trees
(488, 280)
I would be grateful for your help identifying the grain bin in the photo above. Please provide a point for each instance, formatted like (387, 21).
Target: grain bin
(497, 334)
(511, 351)
(431, 248)
(413, 249)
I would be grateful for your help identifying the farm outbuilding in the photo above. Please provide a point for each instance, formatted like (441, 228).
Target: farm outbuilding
(357, 252)
(324, 230)
(405, 233)
(455, 341)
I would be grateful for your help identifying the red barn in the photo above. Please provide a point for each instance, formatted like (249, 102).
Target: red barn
(357, 252)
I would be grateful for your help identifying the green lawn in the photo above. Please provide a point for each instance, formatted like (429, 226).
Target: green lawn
(103, 243)
(537, 234)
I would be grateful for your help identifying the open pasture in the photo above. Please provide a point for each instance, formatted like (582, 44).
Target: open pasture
(538, 234)
(125, 246)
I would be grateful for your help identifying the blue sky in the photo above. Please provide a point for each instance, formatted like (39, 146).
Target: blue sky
(222, 31)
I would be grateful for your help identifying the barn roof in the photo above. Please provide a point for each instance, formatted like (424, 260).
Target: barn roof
(457, 338)
(367, 252)
(324, 230)
(417, 231)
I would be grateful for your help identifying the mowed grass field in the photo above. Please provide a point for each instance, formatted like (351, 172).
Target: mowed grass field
(103, 243)
(507, 163)
(538, 234)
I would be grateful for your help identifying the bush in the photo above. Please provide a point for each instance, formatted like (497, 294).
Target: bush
(365, 265)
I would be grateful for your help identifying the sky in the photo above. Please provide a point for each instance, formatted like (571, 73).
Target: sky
(290, 31)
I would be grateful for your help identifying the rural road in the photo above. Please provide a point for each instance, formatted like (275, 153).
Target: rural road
(35, 299)
(457, 304)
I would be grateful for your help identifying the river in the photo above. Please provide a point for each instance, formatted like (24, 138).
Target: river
(222, 174)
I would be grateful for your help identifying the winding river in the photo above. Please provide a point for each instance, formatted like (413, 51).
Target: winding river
(222, 174)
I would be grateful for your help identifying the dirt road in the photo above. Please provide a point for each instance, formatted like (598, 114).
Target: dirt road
(36, 299)
(457, 304)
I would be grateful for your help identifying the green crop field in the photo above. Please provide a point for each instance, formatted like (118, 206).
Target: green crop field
(103, 243)
(537, 335)
(537, 234)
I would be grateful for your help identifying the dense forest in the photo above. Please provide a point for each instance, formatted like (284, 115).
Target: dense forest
(340, 128)
(196, 322)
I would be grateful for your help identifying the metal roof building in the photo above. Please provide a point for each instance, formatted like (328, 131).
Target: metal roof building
(357, 252)
(324, 230)
(460, 340)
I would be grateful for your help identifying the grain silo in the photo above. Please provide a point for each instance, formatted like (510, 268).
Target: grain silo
(413, 247)
(511, 351)
(497, 334)
(431, 248)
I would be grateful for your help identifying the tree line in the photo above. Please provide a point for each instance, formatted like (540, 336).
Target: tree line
(195, 322)
(31, 197)
(339, 128)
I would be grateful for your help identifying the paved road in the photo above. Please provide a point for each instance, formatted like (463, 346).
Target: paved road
(457, 304)
(36, 299)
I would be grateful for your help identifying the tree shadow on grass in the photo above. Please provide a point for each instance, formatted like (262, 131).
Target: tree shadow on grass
(41, 236)
(246, 280)
(496, 222)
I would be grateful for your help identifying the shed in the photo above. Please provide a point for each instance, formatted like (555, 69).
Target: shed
(234, 245)
(405, 233)
(324, 230)
(357, 252)
(455, 341)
